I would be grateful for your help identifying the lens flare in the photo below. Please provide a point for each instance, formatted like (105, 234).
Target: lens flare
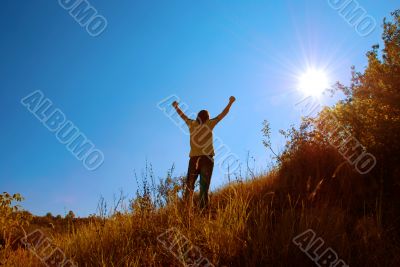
(313, 82)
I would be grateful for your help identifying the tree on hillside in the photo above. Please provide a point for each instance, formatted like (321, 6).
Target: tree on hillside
(361, 132)
(370, 115)
(70, 215)
(371, 110)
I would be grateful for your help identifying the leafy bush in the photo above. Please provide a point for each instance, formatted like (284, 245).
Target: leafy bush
(12, 219)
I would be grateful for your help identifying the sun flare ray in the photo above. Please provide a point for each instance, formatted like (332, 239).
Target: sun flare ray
(313, 82)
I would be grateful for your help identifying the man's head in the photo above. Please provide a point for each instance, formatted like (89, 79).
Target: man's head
(203, 117)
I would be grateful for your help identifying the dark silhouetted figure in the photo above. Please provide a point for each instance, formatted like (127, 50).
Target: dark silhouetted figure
(201, 151)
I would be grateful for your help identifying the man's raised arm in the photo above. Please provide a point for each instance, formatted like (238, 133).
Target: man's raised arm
(226, 110)
(180, 112)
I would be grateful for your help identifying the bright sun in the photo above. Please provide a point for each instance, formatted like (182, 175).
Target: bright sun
(313, 82)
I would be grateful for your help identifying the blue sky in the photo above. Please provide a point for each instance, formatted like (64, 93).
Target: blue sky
(109, 85)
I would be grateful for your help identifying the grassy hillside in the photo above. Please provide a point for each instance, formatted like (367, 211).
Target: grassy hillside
(250, 223)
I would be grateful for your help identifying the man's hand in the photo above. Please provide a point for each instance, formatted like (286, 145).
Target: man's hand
(180, 112)
(226, 109)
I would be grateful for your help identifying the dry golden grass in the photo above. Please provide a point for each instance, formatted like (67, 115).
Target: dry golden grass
(249, 224)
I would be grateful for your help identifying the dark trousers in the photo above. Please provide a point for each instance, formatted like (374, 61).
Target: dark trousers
(203, 166)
